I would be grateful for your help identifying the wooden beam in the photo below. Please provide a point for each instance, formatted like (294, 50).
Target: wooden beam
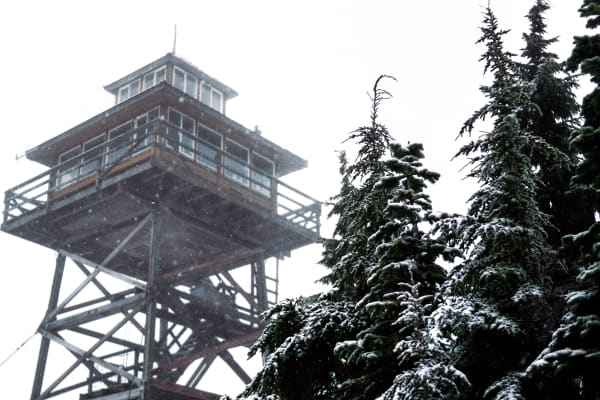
(237, 368)
(213, 266)
(216, 349)
(74, 349)
(96, 313)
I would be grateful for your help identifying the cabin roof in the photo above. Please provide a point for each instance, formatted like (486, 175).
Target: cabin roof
(178, 61)
(46, 153)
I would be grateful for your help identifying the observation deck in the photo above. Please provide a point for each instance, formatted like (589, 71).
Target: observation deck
(214, 181)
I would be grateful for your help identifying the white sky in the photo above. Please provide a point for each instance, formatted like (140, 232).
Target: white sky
(302, 70)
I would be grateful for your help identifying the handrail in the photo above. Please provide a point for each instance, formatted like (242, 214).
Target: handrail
(36, 193)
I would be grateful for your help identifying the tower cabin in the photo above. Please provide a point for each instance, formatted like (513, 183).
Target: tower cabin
(167, 193)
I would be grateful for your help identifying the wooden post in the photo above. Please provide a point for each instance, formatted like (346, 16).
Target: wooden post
(153, 270)
(45, 344)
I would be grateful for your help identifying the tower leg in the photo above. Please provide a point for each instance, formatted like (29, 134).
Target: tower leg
(45, 344)
(153, 270)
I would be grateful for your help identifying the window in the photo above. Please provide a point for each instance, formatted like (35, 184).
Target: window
(211, 97)
(216, 100)
(261, 174)
(129, 90)
(208, 148)
(68, 166)
(236, 162)
(91, 159)
(179, 79)
(185, 82)
(119, 140)
(154, 77)
(146, 133)
(185, 135)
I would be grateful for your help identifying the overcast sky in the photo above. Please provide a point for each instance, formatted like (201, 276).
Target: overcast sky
(302, 69)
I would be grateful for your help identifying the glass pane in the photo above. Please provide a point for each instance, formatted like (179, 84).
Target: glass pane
(237, 150)
(92, 155)
(216, 100)
(160, 75)
(124, 93)
(206, 155)
(262, 164)
(134, 88)
(172, 132)
(119, 141)
(179, 79)
(153, 114)
(187, 140)
(261, 183)
(67, 176)
(236, 170)
(148, 81)
(69, 162)
(205, 94)
(190, 86)
(209, 136)
(187, 124)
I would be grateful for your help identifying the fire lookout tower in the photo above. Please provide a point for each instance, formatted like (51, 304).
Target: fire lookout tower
(170, 210)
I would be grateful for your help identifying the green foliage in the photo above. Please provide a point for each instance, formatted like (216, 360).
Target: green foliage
(404, 266)
(573, 355)
(395, 325)
(299, 341)
(358, 208)
(551, 124)
(503, 278)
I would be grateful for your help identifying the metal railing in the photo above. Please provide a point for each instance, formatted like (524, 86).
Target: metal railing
(109, 157)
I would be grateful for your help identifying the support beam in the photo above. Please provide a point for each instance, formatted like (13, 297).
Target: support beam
(200, 371)
(88, 354)
(260, 282)
(216, 349)
(212, 266)
(76, 350)
(237, 368)
(96, 313)
(45, 344)
(153, 270)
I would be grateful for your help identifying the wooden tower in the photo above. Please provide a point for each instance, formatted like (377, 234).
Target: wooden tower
(170, 210)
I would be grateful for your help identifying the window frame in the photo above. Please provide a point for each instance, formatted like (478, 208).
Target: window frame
(232, 162)
(190, 149)
(107, 161)
(202, 144)
(211, 90)
(128, 86)
(149, 138)
(154, 75)
(256, 174)
(61, 173)
(99, 158)
(187, 77)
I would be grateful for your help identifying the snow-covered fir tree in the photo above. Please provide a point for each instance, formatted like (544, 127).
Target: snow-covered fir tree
(553, 120)
(495, 310)
(574, 351)
(401, 286)
(358, 208)
(301, 335)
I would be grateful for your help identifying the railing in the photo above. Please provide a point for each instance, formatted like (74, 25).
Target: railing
(97, 163)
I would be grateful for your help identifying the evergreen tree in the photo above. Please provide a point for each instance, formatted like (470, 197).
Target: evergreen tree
(358, 208)
(574, 351)
(495, 310)
(401, 283)
(301, 335)
(552, 120)
(298, 341)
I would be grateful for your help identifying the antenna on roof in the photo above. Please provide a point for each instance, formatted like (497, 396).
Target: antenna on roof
(175, 39)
